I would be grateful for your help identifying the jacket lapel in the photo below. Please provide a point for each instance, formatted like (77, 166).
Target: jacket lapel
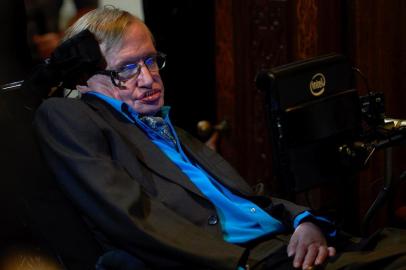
(142, 147)
(214, 164)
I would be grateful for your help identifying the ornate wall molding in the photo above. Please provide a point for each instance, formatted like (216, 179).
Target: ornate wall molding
(307, 34)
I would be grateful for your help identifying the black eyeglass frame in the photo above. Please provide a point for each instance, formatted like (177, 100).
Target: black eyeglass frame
(114, 74)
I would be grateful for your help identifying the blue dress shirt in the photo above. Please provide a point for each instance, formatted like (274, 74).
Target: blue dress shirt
(241, 220)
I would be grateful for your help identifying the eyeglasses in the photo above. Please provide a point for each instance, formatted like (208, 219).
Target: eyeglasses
(153, 63)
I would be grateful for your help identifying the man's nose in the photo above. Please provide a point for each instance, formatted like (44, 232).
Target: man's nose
(145, 77)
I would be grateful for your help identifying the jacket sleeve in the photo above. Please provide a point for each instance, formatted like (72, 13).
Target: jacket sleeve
(293, 215)
(77, 150)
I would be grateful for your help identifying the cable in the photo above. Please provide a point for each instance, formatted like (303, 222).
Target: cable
(364, 78)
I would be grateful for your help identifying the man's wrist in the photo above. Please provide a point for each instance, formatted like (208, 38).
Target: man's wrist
(325, 225)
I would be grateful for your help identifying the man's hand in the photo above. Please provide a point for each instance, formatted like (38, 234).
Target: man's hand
(309, 246)
(101, 84)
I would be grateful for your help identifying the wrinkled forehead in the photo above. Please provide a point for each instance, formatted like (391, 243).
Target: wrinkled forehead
(135, 43)
(135, 30)
(136, 33)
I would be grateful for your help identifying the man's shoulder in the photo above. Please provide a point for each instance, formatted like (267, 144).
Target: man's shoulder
(60, 103)
(62, 109)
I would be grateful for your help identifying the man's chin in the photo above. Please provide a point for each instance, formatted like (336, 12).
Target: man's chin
(148, 109)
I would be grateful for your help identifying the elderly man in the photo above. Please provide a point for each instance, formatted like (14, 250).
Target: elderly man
(152, 190)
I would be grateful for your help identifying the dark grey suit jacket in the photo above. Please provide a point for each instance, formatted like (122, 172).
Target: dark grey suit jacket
(133, 196)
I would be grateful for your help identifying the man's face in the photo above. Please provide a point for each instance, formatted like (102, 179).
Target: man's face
(145, 92)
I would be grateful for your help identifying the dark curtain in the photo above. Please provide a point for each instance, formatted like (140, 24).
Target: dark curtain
(184, 30)
(15, 59)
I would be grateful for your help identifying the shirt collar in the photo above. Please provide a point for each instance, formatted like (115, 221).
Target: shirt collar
(117, 104)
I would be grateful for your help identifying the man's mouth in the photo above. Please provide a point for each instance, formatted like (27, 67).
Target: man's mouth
(150, 96)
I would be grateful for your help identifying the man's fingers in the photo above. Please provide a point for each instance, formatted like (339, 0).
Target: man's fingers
(323, 252)
(300, 253)
(292, 246)
(311, 255)
(331, 251)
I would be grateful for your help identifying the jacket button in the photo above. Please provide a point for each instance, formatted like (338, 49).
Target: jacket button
(213, 220)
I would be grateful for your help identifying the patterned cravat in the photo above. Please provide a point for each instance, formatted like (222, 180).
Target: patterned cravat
(158, 125)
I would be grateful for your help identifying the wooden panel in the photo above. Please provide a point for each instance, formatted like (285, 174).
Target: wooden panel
(250, 35)
(306, 12)
(225, 78)
(261, 43)
(318, 28)
(379, 50)
(256, 34)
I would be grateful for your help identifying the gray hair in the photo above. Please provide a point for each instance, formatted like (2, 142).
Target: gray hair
(108, 24)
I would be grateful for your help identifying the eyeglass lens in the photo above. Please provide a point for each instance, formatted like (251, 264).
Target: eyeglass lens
(153, 63)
